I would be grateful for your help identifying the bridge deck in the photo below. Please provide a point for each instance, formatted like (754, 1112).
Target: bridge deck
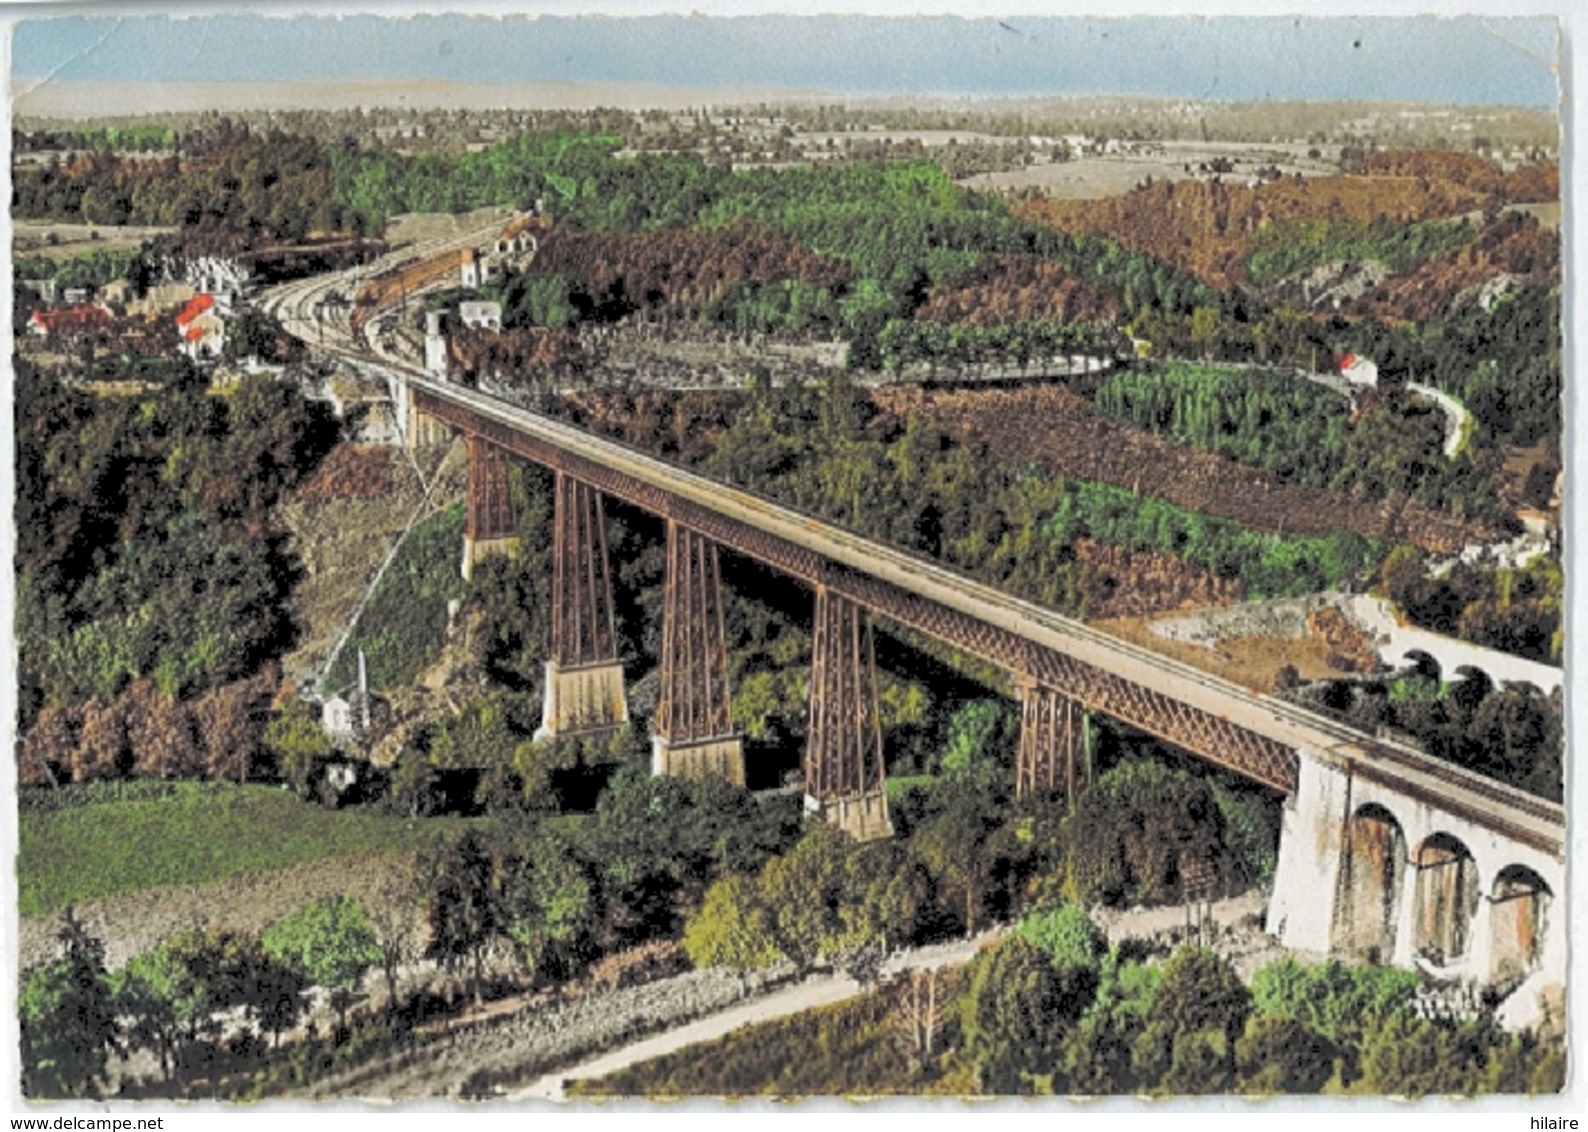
(1015, 634)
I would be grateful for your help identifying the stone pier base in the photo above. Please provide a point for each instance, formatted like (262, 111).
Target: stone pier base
(701, 758)
(863, 816)
(476, 550)
(582, 701)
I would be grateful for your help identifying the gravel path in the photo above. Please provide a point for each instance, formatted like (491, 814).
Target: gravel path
(816, 991)
(1230, 932)
(497, 1054)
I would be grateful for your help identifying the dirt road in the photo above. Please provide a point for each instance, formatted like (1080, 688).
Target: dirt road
(817, 991)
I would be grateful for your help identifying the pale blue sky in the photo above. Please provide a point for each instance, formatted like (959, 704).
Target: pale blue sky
(1456, 60)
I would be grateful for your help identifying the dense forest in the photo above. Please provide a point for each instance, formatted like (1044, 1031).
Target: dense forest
(150, 574)
(918, 247)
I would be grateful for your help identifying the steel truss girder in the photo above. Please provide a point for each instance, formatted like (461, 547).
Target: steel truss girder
(694, 703)
(1209, 736)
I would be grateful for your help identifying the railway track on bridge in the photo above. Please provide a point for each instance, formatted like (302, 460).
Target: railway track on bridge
(1120, 678)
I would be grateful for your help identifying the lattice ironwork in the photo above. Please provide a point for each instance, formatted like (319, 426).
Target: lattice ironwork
(1201, 732)
(694, 703)
(1051, 756)
(489, 513)
(843, 740)
(583, 622)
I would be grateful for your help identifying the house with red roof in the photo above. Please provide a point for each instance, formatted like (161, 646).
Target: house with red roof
(201, 328)
(63, 321)
(1359, 371)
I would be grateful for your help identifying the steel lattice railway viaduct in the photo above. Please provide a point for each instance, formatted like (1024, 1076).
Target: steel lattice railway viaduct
(1385, 852)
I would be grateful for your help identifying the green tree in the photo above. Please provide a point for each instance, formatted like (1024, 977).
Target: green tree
(463, 910)
(804, 892)
(1018, 1009)
(1199, 1063)
(886, 891)
(67, 1013)
(1098, 1055)
(1200, 991)
(297, 741)
(546, 900)
(1405, 1056)
(275, 993)
(732, 928)
(165, 1002)
(977, 734)
(331, 941)
(952, 845)
(1198, 1010)
(1280, 1055)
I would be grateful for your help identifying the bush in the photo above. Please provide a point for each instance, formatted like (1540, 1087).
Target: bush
(1280, 1055)
(1065, 936)
(1335, 999)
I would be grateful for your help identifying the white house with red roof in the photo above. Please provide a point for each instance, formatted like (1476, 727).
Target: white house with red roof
(1359, 371)
(202, 330)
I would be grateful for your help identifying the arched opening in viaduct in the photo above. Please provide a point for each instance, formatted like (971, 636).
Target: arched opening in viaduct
(1368, 897)
(1517, 922)
(1446, 899)
(1424, 664)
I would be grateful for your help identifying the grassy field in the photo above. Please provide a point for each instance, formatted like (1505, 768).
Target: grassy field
(202, 833)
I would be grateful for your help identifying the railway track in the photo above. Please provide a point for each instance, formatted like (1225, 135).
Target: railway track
(1484, 801)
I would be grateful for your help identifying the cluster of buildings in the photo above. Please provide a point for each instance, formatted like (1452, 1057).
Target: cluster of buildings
(195, 298)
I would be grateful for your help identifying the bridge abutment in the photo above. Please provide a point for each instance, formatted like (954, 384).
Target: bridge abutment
(1300, 908)
(1372, 872)
(693, 727)
(584, 678)
(844, 774)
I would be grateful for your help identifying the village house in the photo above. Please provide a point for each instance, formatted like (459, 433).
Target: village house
(46, 290)
(469, 272)
(1359, 371)
(201, 328)
(116, 292)
(480, 315)
(161, 298)
(65, 321)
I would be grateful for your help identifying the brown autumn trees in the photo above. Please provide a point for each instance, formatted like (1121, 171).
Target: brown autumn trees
(1205, 227)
